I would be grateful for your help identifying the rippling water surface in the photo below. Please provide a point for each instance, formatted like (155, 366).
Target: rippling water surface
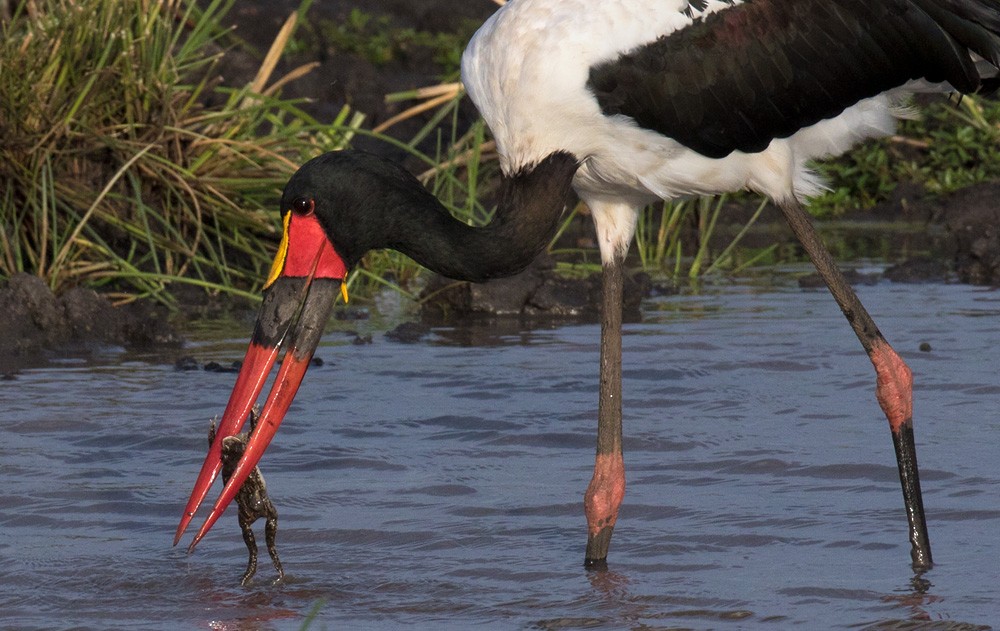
(439, 485)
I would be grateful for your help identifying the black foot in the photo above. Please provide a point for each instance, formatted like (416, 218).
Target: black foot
(597, 549)
(906, 456)
(596, 565)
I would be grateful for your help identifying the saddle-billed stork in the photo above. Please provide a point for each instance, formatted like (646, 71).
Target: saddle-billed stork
(624, 102)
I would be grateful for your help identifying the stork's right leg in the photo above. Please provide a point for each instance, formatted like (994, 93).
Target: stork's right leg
(607, 487)
(893, 384)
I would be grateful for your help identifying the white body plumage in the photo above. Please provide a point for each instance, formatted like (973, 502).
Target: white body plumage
(534, 97)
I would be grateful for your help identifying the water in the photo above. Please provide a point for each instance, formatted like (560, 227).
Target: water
(439, 485)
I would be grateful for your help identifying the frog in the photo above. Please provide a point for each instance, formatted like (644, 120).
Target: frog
(252, 500)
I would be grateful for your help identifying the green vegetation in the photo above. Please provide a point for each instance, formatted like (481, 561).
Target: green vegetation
(949, 147)
(373, 37)
(661, 247)
(117, 172)
(127, 167)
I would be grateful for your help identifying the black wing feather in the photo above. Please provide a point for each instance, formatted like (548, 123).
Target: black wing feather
(766, 68)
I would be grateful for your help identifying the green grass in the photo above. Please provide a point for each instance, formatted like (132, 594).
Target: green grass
(120, 176)
(376, 39)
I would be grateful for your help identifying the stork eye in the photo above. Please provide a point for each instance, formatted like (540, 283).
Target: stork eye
(303, 205)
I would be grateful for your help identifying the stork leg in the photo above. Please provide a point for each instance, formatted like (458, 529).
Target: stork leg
(894, 381)
(607, 488)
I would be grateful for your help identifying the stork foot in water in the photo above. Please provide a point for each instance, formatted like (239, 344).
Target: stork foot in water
(607, 487)
(893, 378)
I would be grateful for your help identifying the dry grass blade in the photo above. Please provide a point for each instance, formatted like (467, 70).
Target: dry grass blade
(484, 153)
(433, 96)
(64, 251)
(273, 54)
(292, 75)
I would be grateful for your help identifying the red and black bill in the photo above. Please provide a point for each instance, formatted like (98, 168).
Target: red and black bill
(303, 284)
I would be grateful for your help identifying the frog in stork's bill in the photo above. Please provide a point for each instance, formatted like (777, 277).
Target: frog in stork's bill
(252, 499)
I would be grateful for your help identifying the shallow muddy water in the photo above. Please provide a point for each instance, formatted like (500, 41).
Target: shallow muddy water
(439, 485)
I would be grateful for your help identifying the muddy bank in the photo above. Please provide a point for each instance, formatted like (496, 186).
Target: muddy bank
(539, 292)
(38, 324)
(964, 228)
(972, 218)
(966, 242)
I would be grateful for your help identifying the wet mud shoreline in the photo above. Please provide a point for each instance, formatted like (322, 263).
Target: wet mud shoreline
(40, 324)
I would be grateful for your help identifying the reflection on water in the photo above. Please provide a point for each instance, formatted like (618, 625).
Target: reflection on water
(439, 484)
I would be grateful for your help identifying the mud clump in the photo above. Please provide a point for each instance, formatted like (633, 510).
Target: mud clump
(539, 292)
(973, 220)
(37, 322)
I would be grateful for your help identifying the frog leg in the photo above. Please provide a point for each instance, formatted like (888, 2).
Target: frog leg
(251, 542)
(270, 531)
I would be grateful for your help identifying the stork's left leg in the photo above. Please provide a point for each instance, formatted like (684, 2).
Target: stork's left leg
(894, 382)
(607, 488)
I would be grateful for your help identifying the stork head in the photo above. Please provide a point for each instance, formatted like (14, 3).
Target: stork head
(308, 272)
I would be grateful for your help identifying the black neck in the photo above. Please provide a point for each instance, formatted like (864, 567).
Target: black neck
(529, 209)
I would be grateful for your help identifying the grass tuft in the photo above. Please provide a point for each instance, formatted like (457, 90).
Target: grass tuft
(127, 165)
